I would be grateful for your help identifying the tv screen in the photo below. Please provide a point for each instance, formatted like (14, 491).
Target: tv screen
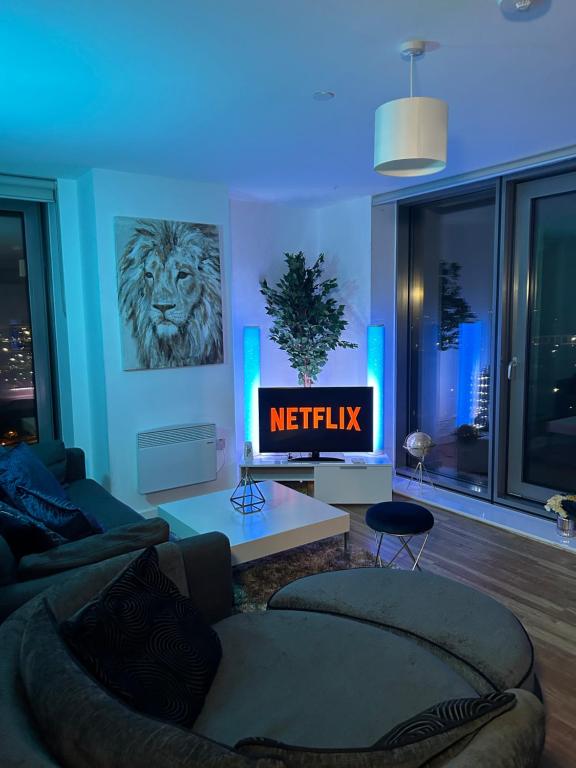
(314, 419)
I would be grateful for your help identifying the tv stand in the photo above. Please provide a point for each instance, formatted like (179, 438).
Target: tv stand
(315, 456)
(358, 479)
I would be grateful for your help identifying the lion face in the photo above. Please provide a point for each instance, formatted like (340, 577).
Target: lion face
(169, 292)
(173, 286)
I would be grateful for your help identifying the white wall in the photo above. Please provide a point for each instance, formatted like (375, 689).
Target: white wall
(261, 234)
(111, 405)
(124, 402)
(344, 236)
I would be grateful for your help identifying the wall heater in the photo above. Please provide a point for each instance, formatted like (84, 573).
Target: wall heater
(175, 456)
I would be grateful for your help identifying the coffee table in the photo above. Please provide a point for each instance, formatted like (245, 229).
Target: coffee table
(288, 519)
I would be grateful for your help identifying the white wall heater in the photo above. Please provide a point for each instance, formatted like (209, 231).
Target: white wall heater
(175, 456)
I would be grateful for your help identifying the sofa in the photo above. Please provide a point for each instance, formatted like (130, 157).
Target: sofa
(318, 679)
(126, 530)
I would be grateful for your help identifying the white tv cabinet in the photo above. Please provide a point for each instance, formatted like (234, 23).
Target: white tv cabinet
(359, 479)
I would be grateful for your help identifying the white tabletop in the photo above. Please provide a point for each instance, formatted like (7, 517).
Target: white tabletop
(288, 519)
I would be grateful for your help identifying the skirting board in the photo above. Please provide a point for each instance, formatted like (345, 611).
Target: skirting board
(521, 523)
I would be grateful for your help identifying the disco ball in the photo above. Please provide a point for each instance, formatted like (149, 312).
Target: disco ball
(418, 444)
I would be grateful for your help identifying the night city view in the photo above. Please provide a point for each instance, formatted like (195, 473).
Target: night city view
(17, 408)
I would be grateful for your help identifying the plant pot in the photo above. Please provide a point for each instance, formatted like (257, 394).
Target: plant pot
(566, 526)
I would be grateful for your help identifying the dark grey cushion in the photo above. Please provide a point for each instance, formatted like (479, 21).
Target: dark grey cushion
(94, 499)
(319, 681)
(117, 541)
(85, 727)
(446, 616)
(52, 453)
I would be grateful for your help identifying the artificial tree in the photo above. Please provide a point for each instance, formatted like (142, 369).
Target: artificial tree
(307, 321)
(454, 309)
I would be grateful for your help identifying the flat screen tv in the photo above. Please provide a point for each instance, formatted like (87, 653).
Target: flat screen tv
(315, 419)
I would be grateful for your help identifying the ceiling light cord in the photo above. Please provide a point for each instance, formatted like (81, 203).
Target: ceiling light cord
(411, 75)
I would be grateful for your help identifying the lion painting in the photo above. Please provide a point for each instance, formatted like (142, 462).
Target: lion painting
(169, 293)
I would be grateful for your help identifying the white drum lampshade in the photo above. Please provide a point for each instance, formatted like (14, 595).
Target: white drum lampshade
(411, 137)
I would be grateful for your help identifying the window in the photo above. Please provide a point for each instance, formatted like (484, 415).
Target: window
(542, 370)
(449, 336)
(26, 411)
(503, 425)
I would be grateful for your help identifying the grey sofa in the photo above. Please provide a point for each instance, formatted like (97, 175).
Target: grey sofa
(309, 676)
(68, 466)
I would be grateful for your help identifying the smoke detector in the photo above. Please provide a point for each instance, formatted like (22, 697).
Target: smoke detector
(523, 10)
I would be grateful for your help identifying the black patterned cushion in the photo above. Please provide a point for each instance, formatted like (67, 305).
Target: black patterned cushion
(59, 514)
(24, 535)
(147, 643)
(443, 717)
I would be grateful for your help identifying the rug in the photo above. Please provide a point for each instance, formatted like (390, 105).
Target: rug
(255, 583)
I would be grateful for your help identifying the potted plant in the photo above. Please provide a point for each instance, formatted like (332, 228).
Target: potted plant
(307, 320)
(564, 507)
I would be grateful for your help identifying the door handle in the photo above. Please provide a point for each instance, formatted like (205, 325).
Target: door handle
(511, 366)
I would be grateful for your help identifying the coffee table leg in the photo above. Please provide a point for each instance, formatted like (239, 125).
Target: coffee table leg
(346, 541)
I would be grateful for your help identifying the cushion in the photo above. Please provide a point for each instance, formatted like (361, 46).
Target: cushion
(125, 538)
(52, 454)
(147, 643)
(85, 727)
(25, 535)
(58, 514)
(33, 489)
(20, 467)
(444, 728)
(319, 681)
(443, 615)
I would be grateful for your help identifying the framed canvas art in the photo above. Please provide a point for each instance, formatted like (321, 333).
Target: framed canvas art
(169, 293)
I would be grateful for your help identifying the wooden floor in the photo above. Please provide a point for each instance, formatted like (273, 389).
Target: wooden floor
(536, 581)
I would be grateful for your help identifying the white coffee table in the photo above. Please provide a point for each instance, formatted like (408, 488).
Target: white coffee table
(289, 519)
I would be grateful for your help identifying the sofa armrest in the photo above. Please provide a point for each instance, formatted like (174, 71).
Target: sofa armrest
(514, 738)
(204, 559)
(93, 549)
(75, 464)
(208, 566)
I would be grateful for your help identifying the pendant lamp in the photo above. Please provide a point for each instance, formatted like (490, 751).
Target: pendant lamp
(411, 135)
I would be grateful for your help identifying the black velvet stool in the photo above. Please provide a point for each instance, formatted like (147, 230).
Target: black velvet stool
(403, 520)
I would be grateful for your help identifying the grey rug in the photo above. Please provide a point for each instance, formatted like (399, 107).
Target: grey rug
(254, 583)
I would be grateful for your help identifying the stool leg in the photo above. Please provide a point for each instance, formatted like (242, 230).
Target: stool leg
(377, 559)
(417, 558)
(403, 546)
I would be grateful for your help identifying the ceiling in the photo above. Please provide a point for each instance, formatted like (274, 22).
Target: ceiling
(221, 90)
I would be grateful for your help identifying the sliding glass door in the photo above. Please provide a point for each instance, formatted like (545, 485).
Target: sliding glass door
(542, 365)
(450, 330)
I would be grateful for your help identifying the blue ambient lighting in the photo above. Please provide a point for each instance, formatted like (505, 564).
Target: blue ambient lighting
(375, 379)
(251, 351)
(469, 351)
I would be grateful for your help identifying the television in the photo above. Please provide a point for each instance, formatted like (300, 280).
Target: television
(315, 419)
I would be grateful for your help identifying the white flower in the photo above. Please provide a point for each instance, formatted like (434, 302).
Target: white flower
(554, 504)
